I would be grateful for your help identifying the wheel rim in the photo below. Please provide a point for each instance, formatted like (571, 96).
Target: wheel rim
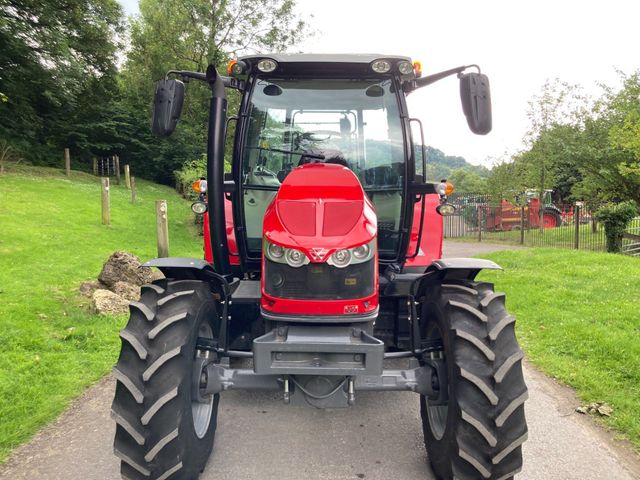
(437, 414)
(549, 220)
(201, 411)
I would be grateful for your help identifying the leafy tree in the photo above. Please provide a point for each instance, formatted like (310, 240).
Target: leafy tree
(553, 114)
(58, 68)
(466, 181)
(190, 35)
(507, 179)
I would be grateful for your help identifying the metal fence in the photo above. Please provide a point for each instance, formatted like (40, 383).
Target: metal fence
(563, 226)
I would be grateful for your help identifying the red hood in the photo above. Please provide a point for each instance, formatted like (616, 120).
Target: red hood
(320, 206)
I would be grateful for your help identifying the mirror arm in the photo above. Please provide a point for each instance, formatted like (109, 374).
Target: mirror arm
(429, 79)
(186, 75)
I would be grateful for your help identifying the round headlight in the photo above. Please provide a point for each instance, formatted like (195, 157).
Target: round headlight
(198, 207)
(341, 258)
(238, 68)
(267, 65)
(405, 68)
(446, 209)
(361, 252)
(275, 251)
(381, 66)
(294, 258)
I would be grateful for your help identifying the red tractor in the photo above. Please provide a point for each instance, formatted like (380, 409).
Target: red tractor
(508, 216)
(322, 266)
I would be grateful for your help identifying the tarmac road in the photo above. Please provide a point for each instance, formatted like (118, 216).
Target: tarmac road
(379, 438)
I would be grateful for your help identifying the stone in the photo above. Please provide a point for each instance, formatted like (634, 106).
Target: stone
(87, 288)
(128, 291)
(157, 275)
(106, 302)
(124, 267)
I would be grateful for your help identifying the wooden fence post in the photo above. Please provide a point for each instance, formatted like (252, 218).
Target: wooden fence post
(480, 215)
(117, 168)
(127, 177)
(95, 166)
(576, 218)
(67, 162)
(133, 189)
(522, 226)
(106, 210)
(162, 228)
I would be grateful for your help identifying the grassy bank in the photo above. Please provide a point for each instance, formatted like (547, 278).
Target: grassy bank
(51, 239)
(578, 321)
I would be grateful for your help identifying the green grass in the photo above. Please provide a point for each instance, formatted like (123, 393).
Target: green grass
(578, 321)
(51, 239)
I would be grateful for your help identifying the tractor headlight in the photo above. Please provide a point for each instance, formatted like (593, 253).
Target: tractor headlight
(446, 209)
(199, 207)
(279, 254)
(405, 68)
(381, 66)
(267, 65)
(340, 258)
(275, 251)
(295, 258)
(361, 252)
(350, 256)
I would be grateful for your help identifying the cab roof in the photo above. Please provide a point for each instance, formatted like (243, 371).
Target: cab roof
(365, 58)
(326, 65)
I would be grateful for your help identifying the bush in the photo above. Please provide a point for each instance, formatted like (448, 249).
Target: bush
(615, 219)
(191, 171)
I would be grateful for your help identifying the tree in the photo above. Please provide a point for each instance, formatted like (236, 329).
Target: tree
(58, 69)
(553, 115)
(190, 35)
(507, 179)
(466, 181)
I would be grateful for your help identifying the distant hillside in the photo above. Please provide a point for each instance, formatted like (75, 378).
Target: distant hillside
(440, 166)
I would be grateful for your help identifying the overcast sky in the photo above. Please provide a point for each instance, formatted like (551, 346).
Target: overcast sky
(518, 44)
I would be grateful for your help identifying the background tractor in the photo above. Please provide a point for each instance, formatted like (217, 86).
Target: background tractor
(322, 265)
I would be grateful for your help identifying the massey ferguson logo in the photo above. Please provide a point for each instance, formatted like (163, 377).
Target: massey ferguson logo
(318, 254)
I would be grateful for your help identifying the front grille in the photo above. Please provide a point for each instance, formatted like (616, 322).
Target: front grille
(319, 281)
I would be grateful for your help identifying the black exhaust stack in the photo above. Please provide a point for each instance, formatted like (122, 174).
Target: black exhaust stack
(215, 172)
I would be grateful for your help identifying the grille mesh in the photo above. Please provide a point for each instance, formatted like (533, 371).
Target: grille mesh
(319, 281)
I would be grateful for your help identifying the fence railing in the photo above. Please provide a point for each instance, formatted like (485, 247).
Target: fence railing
(562, 226)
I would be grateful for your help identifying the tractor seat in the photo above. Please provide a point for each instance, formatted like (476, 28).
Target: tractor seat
(330, 156)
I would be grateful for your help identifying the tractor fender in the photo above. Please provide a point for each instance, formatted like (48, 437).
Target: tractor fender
(182, 268)
(446, 269)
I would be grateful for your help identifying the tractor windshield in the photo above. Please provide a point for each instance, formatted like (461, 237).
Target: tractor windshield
(355, 123)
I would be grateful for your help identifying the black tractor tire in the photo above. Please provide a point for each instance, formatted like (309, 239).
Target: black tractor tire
(479, 430)
(162, 431)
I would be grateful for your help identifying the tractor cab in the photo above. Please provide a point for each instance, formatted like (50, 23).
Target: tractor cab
(352, 123)
(322, 263)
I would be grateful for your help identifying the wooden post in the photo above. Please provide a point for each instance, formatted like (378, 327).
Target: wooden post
(117, 168)
(106, 211)
(133, 189)
(576, 218)
(95, 166)
(67, 162)
(127, 177)
(522, 226)
(162, 228)
(480, 215)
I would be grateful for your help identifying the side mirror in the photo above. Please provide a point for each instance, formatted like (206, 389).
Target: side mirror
(476, 102)
(167, 106)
